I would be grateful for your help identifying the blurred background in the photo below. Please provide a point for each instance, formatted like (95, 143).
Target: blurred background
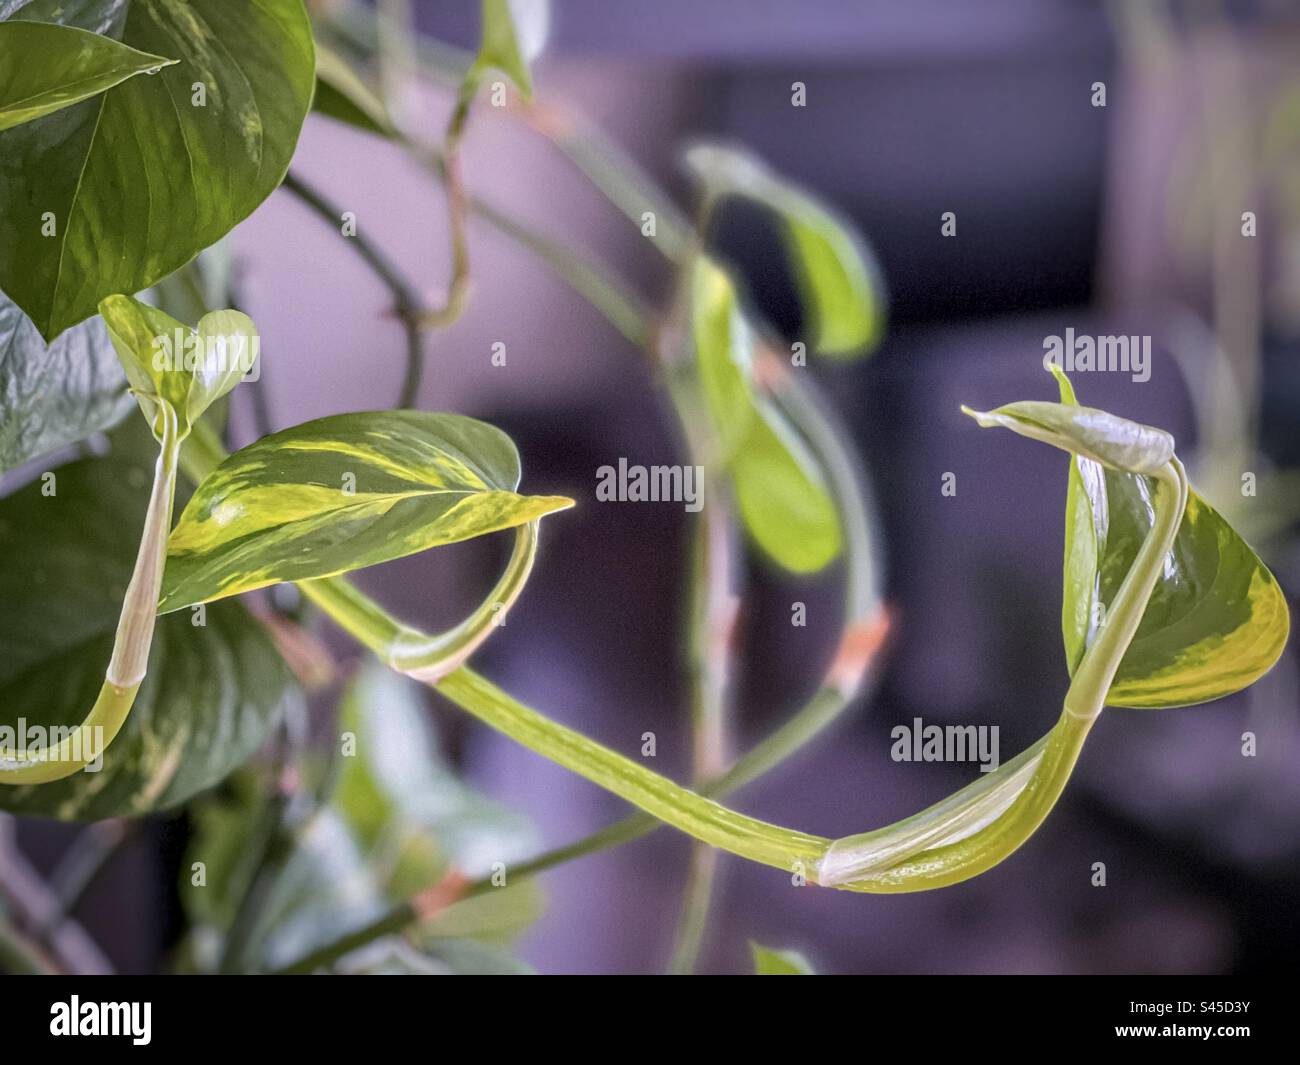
(1117, 219)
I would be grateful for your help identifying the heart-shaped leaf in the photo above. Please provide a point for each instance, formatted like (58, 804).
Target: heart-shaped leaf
(839, 283)
(341, 493)
(57, 394)
(779, 490)
(212, 692)
(46, 67)
(114, 193)
(1217, 620)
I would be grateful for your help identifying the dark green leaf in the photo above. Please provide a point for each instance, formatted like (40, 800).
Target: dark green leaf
(839, 283)
(136, 181)
(342, 94)
(44, 68)
(341, 493)
(211, 695)
(55, 395)
(779, 490)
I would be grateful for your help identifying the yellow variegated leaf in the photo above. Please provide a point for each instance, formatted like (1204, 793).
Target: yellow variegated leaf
(341, 493)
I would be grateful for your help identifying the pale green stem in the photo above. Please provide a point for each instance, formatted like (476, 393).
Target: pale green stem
(713, 606)
(87, 742)
(963, 836)
(964, 849)
(429, 658)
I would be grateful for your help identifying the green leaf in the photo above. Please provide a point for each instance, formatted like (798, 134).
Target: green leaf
(168, 362)
(769, 962)
(1217, 620)
(44, 68)
(136, 181)
(397, 788)
(514, 32)
(212, 693)
(838, 280)
(779, 491)
(398, 820)
(342, 94)
(58, 394)
(341, 493)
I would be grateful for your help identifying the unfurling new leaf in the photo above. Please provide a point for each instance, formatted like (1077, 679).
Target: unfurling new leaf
(170, 364)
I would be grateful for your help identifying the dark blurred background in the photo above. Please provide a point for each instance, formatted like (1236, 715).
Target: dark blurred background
(1117, 219)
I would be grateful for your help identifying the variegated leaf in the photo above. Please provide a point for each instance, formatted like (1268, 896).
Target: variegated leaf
(341, 493)
(1217, 620)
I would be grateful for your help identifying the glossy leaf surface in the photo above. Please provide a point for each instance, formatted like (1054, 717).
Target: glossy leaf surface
(168, 362)
(114, 193)
(1217, 620)
(46, 67)
(341, 493)
(56, 394)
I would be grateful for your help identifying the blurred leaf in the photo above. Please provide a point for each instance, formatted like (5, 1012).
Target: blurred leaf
(212, 693)
(55, 395)
(769, 962)
(137, 180)
(779, 491)
(397, 821)
(44, 68)
(514, 32)
(397, 787)
(340, 493)
(342, 94)
(1217, 620)
(839, 283)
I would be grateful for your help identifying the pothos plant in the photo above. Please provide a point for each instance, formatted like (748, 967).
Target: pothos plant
(136, 134)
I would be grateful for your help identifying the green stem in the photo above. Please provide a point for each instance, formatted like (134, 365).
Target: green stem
(427, 658)
(84, 744)
(859, 862)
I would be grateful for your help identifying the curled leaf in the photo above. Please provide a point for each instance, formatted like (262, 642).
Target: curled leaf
(779, 490)
(1217, 620)
(840, 286)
